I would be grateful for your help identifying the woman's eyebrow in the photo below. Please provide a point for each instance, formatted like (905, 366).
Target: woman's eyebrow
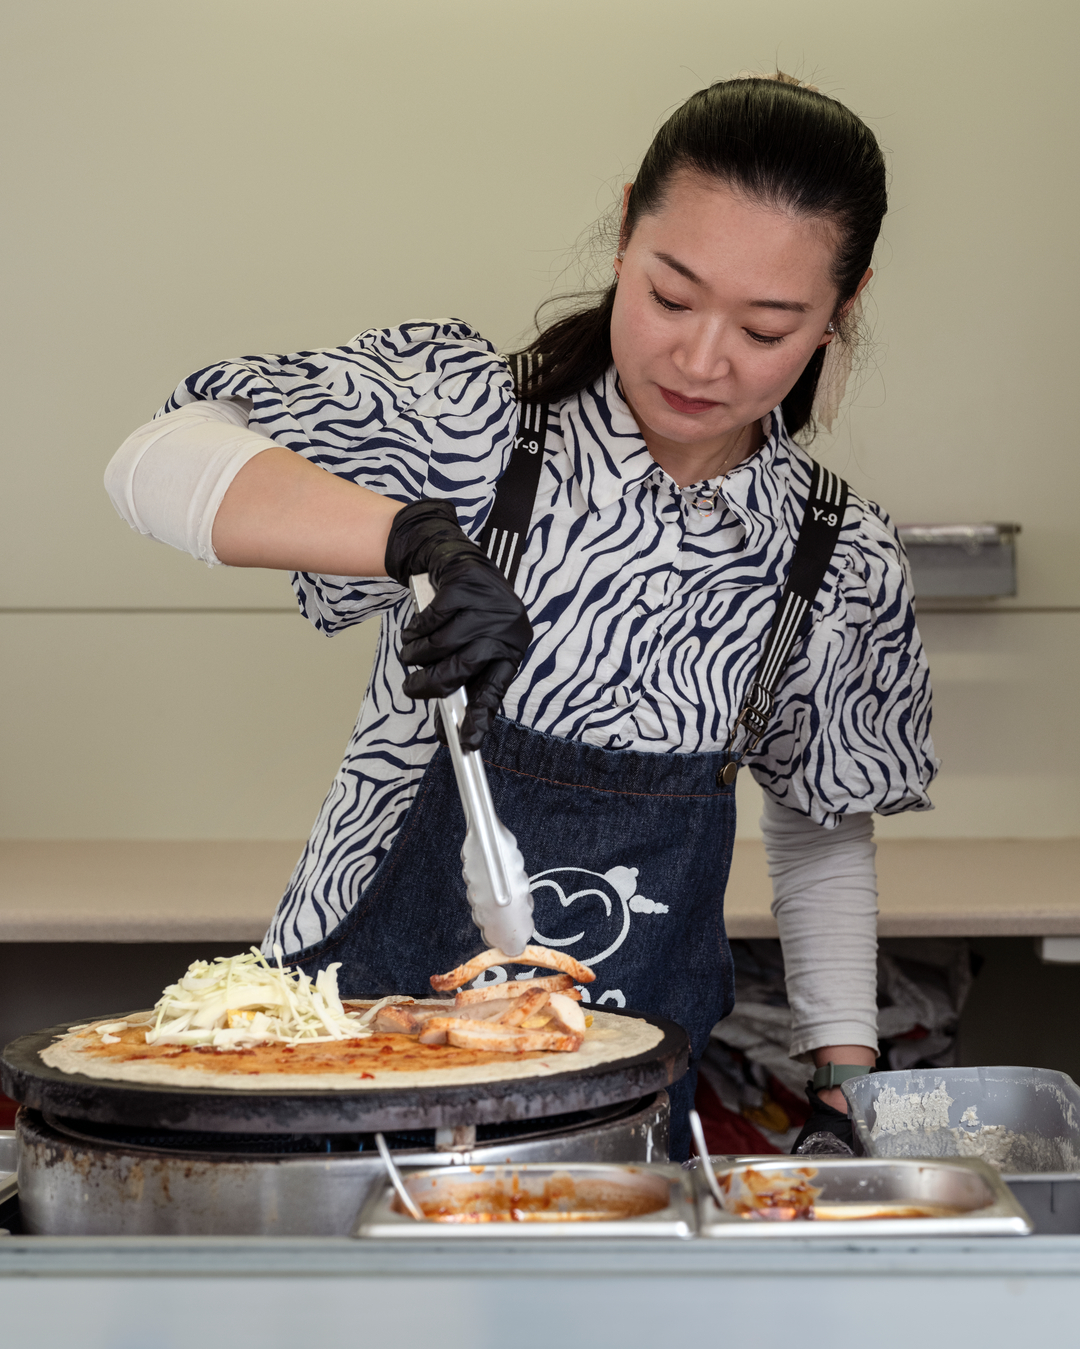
(680, 267)
(791, 306)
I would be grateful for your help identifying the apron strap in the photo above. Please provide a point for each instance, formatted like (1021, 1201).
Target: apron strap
(814, 548)
(507, 527)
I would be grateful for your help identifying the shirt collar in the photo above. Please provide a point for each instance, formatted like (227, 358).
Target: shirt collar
(610, 457)
(608, 453)
(756, 480)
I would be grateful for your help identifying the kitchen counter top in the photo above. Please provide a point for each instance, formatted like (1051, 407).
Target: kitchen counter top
(141, 892)
(222, 891)
(942, 888)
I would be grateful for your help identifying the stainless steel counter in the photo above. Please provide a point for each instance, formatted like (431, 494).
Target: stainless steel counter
(266, 1292)
(162, 1293)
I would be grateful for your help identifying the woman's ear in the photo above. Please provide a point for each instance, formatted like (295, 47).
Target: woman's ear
(844, 310)
(847, 307)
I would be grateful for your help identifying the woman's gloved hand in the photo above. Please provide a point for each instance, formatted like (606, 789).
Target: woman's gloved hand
(474, 633)
(824, 1118)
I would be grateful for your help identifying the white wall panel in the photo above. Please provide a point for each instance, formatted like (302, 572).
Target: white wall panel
(1004, 727)
(213, 726)
(230, 726)
(199, 179)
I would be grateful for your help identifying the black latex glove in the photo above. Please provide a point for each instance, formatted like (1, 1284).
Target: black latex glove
(825, 1119)
(475, 632)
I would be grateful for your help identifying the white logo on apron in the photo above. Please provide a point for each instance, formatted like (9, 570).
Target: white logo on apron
(607, 921)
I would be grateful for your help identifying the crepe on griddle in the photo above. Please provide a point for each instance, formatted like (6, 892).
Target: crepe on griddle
(379, 1062)
(241, 1024)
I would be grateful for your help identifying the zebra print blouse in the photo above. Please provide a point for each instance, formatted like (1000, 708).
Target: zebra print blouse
(649, 612)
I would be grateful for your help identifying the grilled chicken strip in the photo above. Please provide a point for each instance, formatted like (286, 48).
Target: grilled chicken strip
(541, 956)
(522, 1008)
(566, 1014)
(510, 1039)
(412, 1020)
(433, 1032)
(399, 1020)
(517, 988)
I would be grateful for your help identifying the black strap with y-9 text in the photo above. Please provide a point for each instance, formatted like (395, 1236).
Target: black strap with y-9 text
(507, 527)
(822, 522)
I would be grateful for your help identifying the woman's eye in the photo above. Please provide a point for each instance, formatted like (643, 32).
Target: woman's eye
(669, 305)
(764, 339)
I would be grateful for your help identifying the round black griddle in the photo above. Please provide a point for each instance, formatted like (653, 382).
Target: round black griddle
(26, 1079)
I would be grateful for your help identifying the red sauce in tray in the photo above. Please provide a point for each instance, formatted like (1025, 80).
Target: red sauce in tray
(378, 1055)
(562, 1199)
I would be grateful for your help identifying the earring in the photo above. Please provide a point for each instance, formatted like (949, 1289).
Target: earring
(830, 328)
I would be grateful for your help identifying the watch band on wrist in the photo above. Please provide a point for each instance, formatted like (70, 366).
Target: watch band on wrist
(832, 1074)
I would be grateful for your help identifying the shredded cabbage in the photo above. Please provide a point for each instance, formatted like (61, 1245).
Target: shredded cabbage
(235, 1001)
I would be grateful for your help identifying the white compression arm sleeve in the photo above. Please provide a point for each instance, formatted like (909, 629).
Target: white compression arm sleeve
(825, 902)
(169, 477)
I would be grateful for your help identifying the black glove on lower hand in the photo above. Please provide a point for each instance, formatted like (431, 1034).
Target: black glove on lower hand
(825, 1119)
(474, 633)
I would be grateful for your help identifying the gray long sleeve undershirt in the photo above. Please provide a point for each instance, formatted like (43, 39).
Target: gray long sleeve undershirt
(825, 903)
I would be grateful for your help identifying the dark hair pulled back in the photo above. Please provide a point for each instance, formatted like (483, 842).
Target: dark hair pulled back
(782, 145)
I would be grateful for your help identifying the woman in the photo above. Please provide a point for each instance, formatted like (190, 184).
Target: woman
(670, 498)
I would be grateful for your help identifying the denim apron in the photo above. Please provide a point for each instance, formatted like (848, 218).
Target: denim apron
(628, 855)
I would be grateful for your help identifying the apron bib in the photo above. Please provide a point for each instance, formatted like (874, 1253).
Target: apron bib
(628, 855)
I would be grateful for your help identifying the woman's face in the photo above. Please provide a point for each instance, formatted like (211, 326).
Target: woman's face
(720, 304)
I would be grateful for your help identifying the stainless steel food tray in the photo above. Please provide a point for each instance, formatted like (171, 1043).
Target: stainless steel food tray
(962, 1182)
(378, 1217)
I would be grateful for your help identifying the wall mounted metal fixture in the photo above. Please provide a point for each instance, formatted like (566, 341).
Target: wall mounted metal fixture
(962, 561)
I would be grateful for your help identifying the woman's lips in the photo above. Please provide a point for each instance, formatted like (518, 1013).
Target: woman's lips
(683, 404)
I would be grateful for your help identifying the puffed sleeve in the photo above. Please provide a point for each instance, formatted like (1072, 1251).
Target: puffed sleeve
(426, 409)
(851, 728)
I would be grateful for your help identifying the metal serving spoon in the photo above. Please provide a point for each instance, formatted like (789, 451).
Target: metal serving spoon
(703, 1154)
(495, 880)
(395, 1180)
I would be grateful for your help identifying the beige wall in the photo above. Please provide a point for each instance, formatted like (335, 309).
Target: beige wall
(212, 177)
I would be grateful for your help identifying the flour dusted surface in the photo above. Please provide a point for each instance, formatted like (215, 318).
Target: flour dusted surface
(916, 1124)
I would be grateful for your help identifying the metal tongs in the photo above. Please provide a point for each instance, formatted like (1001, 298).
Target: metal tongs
(494, 870)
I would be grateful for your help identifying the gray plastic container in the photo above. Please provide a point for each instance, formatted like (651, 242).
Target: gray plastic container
(8, 1166)
(1023, 1121)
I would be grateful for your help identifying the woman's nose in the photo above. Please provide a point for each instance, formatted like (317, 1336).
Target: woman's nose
(703, 355)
